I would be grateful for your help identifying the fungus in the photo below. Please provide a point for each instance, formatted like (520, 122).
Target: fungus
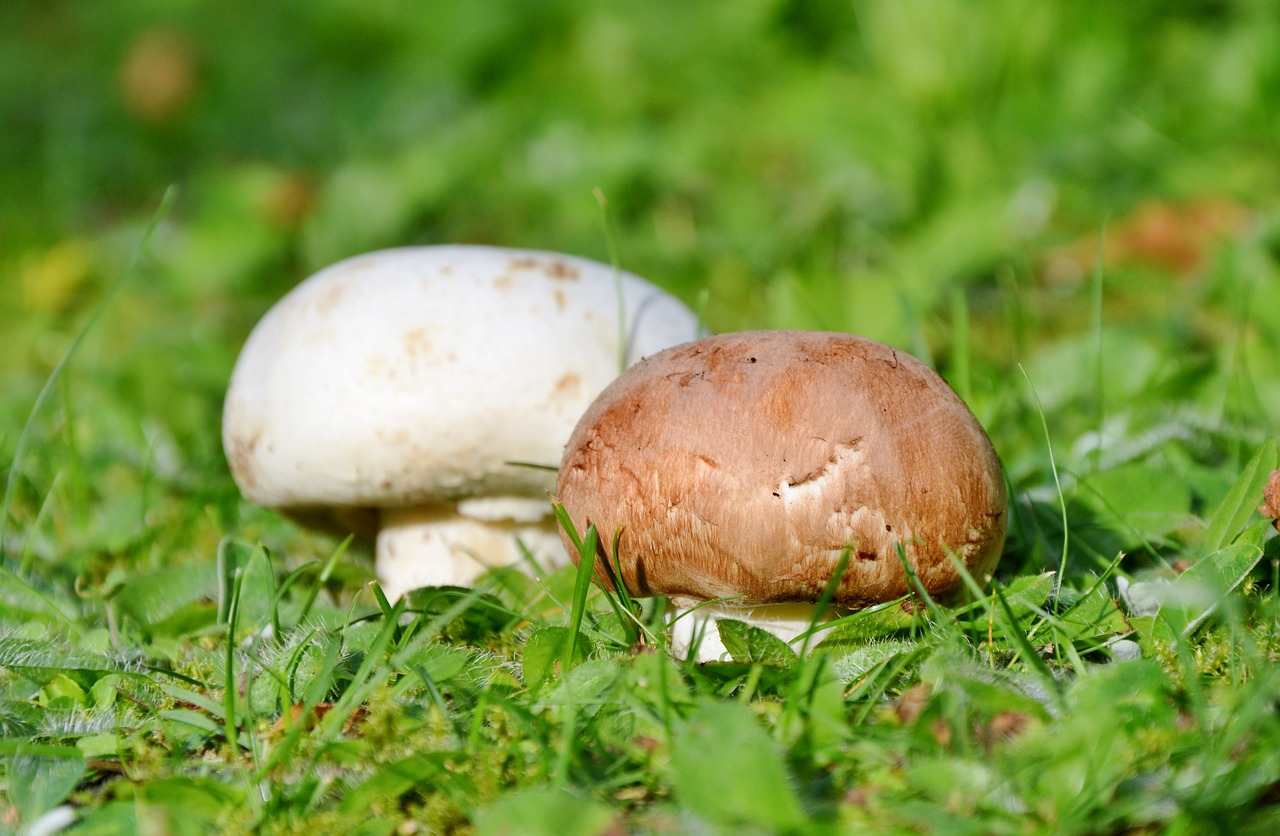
(404, 394)
(744, 466)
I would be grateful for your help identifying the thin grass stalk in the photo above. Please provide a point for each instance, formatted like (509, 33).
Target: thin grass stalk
(1099, 270)
(229, 672)
(581, 587)
(611, 242)
(1053, 466)
(24, 436)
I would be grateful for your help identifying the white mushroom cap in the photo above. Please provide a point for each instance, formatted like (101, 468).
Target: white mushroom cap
(746, 465)
(419, 380)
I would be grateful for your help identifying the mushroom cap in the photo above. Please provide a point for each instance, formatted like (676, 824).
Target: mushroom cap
(745, 464)
(422, 376)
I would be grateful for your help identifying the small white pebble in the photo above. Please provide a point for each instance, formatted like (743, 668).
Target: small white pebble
(1125, 650)
(55, 821)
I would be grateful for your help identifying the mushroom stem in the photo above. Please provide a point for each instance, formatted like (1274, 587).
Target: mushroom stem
(786, 621)
(439, 546)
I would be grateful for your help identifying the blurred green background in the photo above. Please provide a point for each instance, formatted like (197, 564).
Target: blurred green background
(1084, 191)
(939, 174)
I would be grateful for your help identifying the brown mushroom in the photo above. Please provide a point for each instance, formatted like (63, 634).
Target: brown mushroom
(742, 466)
(1270, 507)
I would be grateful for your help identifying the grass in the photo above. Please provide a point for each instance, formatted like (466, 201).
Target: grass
(1041, 200)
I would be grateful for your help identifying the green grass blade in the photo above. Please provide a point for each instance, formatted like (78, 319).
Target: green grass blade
(1053, 466)
(582, 586)
(913, 581)
(20, 446)
(611, 241)
(1099, 382)
(381, 598)
(314, 591)
(961, 346)
(619, 600)
(23, 598)
(1022, 645)
(1242, 500)
(1003, 616)
(229, 672)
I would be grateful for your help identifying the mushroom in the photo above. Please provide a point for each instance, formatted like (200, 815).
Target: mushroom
(424, 395)
(744, 466)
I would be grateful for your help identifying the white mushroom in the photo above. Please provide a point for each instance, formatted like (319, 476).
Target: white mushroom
(744, 466)
(414, 392)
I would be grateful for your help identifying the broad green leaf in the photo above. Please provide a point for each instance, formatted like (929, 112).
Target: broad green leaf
(1255, 535)
(1197, 592)
(748, 643)
(23, 602)
(1154, 633)
(586, 686)
(190, 805)
(1066, 370)
(41, 660)
(1026, 595)
(190, 618)
(193, 721)
(1142, 684)
(257, 589)
(483, 615)
(153, 597)
(111, 819)
(1148, 498)
(856, 662)
(814, 709)
(990, 689)
(957, 784)
(99, 745)
(392, 780)
(18, 719)
(39, 781)
(1093, 614)
(730, 772)
(441, 662)
(545, 811)
(192, 718)
(546, 654)
(880, 621)
(1242, 500)
(62, 692)
(209, 705)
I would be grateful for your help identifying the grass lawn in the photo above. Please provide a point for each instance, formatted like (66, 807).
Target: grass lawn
(1068, 209)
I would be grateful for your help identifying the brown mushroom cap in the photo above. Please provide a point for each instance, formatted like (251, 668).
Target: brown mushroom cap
(745, 464)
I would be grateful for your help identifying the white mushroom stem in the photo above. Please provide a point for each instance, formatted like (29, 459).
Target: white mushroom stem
(438, 546)
(786, 621)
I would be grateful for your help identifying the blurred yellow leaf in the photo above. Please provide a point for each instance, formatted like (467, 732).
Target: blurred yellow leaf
(51, 278)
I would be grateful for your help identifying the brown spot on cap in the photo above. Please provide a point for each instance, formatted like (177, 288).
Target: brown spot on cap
(239, 450)
(330, 299)
(561, 270)
(553, 267)
(567, 386)
(416, 343)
